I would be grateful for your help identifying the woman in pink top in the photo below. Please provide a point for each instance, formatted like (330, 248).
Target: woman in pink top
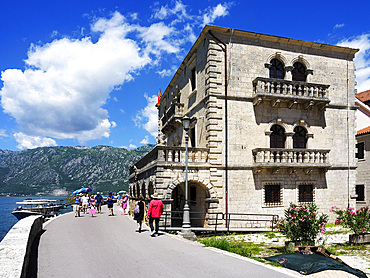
(124, 204)
(154, 213)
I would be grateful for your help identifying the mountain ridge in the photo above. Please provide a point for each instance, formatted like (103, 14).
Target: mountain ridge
(60, 170)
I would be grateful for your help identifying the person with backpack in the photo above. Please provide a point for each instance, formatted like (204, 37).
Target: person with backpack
(110, 203)
(155, 211)
(99, 201)
(139, 212)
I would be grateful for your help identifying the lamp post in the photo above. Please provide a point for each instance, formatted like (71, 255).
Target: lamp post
(186, 227)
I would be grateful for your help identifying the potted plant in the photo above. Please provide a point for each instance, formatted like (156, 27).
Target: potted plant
(301, 224)
(358, 221)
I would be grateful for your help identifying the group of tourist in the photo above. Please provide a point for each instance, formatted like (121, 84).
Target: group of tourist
(92, 204)
(88, 204)
(154, 212)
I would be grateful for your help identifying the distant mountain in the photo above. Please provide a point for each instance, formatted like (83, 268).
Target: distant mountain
(61, 170)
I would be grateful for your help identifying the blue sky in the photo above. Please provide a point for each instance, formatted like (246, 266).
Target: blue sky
(88, 72)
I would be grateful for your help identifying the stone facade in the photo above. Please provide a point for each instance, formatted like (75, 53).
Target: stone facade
(363, 171)
(272, 123)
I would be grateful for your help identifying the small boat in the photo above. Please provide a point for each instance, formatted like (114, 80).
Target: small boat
(45, 207)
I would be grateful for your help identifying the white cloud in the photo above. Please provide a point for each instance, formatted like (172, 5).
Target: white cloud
(31, 142)
(3, 133)
(63, 90)
(145, 140)
(213, 13)
(362, 59)
(67, 81)
(147, 118)
(132, 146)
(337, 26)
(167, 72)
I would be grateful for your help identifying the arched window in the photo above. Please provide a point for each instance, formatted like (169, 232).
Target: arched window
(299, 138)
(299, 72)
(137, 190)
(277, 69)
(277, 137)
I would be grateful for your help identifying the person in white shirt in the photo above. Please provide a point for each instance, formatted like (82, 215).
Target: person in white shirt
(85, 202)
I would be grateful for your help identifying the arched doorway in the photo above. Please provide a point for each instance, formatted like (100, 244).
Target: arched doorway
(197, 203)
(150, 190)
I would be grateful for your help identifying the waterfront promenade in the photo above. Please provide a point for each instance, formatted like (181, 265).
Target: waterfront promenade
(108, 246)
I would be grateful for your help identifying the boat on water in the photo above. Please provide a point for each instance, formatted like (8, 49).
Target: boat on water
(45, 207)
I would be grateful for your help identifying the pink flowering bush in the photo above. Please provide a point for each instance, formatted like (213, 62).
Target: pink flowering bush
(301, 223)
(356, 220)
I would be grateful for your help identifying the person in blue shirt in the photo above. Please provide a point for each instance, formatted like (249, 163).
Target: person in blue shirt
(110, 203)
(119, 200)
(77, 206)
(99, 201)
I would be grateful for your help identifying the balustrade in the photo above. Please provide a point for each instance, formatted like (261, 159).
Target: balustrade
(293, 157)
(280, 87)
(177, 154)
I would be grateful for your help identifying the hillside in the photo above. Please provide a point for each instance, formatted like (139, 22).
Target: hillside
(60, 170)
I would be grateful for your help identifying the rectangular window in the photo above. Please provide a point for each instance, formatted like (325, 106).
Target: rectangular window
(193, 79)
(360, 150)
(360, 192)
(193, 195)
(192, 137)
(305, 193)
(272, 194)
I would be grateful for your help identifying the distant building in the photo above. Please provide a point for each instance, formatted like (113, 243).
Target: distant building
(363, 149)
(273, 122)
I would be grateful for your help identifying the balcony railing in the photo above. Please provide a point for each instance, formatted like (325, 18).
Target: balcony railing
(289, 90)
(177, 154)
(271, 157)
(173, 113)
(164, 154)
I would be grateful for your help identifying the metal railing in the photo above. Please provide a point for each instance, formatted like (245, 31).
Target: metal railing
(215, 218)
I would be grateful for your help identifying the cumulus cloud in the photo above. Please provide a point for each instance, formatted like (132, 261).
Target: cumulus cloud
(213, 13)
(145, 140)
(62, 91)
(31, 142)
(147, 118)
(362, 59)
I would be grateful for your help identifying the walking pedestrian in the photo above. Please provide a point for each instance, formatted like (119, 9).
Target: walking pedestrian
(139, 216)
(110, 203)
(155, 211)
(99, 201)
(77, 205)
(92, 208)
(124, 204)
(85, 202)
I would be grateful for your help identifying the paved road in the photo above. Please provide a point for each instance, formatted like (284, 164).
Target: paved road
(108, 246)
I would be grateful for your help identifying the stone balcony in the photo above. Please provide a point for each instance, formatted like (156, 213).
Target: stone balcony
(162, 156)
(171, 119)
(290, 92)
(290, 158)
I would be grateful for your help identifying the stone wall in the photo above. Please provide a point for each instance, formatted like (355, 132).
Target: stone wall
(15, 247)
(363, 170)
(231, 126)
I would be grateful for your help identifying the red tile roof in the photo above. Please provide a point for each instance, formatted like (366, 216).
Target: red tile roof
(364, 130)
(363, 96)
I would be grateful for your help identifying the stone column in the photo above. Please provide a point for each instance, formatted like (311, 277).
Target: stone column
(289, 140)
(288, 73)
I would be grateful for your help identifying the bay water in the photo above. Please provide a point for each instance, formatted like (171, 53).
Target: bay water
(7, 204)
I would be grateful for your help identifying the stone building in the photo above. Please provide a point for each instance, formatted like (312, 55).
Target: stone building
(363, 149)
(272, 123)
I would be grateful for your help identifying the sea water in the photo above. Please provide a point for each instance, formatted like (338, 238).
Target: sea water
(7, 204)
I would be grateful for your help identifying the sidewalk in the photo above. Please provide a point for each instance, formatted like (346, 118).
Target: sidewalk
(108, 246)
